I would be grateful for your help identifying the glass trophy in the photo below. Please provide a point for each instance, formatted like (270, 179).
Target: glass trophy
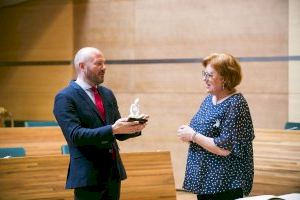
(135, 113)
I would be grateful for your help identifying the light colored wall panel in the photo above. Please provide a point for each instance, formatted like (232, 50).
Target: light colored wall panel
(294, 77)
(294, 27)
(108, 25)
(120, 78)
(294, 92)
(268, 110)
(258, 77)
(265, 77)
(174, 28)
(167, 111)
(294, 107)
(36, 31)
(155, 78)
(157, 33)
(294, 66)
(192, 28)
(146, 29)
(169, 78)
(28, 91)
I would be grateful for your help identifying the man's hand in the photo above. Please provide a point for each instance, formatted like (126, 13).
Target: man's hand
(122, 126)
(143, 118)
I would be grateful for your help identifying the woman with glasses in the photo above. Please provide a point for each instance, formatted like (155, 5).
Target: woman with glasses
(220, 156)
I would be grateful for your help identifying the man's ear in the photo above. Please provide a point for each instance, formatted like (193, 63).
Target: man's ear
(81, 66)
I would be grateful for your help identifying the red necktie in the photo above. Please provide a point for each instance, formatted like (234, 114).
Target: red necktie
(100, 107)
(99, 103)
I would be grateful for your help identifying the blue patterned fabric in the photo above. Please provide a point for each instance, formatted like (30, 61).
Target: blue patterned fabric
(230, 124)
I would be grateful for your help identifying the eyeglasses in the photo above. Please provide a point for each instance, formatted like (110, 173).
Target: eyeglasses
(206, 75)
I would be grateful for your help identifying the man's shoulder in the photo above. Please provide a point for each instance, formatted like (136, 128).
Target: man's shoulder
(70, 89)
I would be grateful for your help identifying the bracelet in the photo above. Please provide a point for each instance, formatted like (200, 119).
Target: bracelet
(193, 137)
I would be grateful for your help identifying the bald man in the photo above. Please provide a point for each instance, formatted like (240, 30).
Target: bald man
(90, 121)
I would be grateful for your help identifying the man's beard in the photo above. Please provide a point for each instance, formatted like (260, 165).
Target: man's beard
(95, 79)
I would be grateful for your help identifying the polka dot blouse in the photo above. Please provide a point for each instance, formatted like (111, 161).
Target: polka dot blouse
(230, 124)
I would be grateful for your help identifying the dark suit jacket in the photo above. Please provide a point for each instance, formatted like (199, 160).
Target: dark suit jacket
(89, 138)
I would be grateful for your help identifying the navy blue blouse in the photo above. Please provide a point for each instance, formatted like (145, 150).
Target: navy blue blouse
(230, 124)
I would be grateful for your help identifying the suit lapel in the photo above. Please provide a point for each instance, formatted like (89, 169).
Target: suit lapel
(86, 99)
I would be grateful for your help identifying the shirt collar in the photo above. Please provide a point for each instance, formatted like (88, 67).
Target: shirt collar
(215, 102)
(84, 85)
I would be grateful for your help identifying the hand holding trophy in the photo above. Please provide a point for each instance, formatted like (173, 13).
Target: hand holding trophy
(135, 113)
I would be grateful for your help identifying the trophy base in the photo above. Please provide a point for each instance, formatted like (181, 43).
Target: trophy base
(140, 120)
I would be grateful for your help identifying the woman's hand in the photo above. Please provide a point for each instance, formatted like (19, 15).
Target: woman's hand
(185, 133)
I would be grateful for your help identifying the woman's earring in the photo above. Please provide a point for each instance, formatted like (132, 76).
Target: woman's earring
(223, 86)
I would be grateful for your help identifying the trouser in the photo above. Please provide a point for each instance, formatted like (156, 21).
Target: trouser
(227, 195)
(109, 191)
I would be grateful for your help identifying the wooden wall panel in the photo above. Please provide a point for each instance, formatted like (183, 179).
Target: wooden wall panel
(167, 84)
(36, 31)
(169, 78)
(35, 36)
(108, 25)
(268, 110)
(155, 78)
(157, 34)
(119, 78)
(265, 77)
(197, 29)
(192, 28)
(172, 28)
(258, 77)
(167, 110)
(29, 91)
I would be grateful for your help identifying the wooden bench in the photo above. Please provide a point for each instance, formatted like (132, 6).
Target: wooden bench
(150, 176)
(35, 140)
(276, 161)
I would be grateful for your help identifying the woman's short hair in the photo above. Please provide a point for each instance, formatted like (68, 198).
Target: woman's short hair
(227, 66)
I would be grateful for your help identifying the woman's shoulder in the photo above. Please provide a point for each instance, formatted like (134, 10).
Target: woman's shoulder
(238, 101)
(237, 97)
(208, 98)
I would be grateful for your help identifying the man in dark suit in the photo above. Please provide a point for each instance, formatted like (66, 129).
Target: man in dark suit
(90, 121)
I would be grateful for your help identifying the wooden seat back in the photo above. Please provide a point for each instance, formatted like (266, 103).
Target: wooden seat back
(36, 140)
(276, 154)
(150, 176)
(276, 162)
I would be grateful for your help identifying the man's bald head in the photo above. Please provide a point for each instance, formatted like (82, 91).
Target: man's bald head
(83, 55)
(89, 63)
